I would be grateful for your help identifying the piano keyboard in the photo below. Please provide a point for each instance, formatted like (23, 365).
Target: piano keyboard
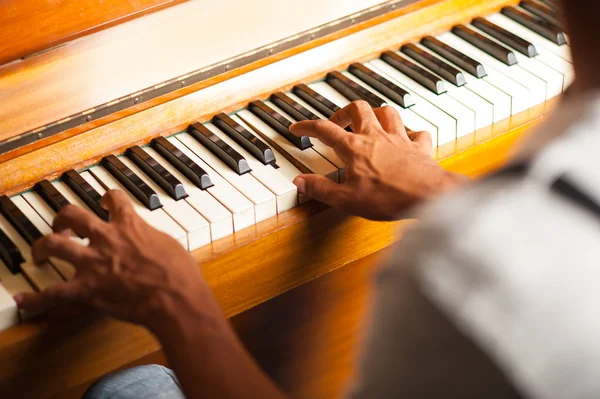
(218, 178)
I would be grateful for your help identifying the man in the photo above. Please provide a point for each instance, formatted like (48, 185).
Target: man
(494, 294)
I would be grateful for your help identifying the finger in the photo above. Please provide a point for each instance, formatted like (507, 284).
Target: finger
(117, 203)
(323, 190)
(81, 221)
(422, 138)
(390, 120)
(329, 133)
(52, 297)
(61, 247)
(359, 115)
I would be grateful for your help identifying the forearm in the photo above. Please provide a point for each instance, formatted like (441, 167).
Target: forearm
(208, 358)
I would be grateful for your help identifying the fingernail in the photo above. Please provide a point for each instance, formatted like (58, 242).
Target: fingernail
(301, 184)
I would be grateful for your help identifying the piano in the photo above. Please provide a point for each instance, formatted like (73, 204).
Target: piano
(185, 105)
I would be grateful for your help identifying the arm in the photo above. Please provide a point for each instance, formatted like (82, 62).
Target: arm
(136, 273)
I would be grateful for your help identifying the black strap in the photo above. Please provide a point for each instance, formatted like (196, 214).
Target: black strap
(571, 192)
(518, 169)
(562, 186)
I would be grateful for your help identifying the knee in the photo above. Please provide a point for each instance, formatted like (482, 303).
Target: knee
(148, 382)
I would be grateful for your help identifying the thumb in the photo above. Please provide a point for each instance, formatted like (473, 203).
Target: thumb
(52, 297)
(322, 189)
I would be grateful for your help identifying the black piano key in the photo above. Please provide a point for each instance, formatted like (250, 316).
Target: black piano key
(182, 163)
(279, 123)
(157, 173)
(19, 221)
(438, 66)
(243, 137)
(465, 62)
(506, 37)
(540, 10)
(222, 150)
(292, 107)
(538, 25)
(132, 182)
(414, 71)
(315, 100)
(381, 84)
(352, 90)
(86, 192)
(51, 195)
(10, 254)
(485, 44)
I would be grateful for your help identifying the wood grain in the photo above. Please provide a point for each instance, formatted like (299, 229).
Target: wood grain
(176, 41)
(42, 84)
(30, 26)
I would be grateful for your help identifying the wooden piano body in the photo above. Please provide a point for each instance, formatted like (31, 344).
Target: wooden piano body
(311, 262)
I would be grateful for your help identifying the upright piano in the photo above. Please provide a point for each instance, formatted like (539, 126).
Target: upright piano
(186, 105)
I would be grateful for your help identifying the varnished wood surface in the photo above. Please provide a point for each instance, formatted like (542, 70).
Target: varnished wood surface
(43, 85)
(89, 146)
(175, 41)
(30, 26)
(306, 339)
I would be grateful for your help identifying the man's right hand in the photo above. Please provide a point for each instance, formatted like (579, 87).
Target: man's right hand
(387, 168)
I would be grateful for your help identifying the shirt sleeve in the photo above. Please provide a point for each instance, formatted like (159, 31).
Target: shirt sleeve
(413, 350)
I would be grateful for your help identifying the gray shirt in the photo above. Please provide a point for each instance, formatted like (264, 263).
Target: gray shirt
(496, 292)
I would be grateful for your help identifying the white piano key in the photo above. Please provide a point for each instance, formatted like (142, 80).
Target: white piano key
(326, 152)
(66, 269)
(536, 86)
(410, 119)
(41, 207)
(14, 283)
(481, 109)
(501, 101)
(241, 208)
(220, 219)
(286, 168)
(196, 227)
(402, 110)
(558, 64)
(539, 41)
(93, 182)
(464, 116)
(9, 313)
(521, 98)
(554, 79)
(43, 276)
(157, 219)
(284, 190)
(70, 194)
(265, 204)
(309, 157)
(450, 126)
(444, 123)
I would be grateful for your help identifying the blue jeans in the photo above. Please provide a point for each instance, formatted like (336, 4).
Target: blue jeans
(143, 382)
